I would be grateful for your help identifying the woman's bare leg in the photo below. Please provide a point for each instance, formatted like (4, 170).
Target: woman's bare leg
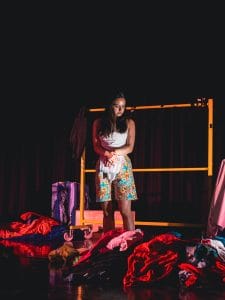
(108, 216)
(126, 213)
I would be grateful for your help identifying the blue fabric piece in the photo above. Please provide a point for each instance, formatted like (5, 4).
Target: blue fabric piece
(56, 233)
(220, 238)
(177, 234)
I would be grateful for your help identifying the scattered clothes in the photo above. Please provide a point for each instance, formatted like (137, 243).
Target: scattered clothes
(195, 263)
(102, 264)
(216, 244)
(64, 255)
(35, 235)
(125, 240)
(31, 223)
(154, 260)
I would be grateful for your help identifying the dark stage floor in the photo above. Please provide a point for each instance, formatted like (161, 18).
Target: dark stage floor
(26, 277)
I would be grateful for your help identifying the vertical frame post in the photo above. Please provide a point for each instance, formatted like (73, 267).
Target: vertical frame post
(82, 187)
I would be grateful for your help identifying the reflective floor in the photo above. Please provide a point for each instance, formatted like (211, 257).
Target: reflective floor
(24, 277)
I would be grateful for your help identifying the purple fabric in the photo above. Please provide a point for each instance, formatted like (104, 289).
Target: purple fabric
(65, 201)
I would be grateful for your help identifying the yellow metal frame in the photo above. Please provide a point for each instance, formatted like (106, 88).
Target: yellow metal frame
(208, 168)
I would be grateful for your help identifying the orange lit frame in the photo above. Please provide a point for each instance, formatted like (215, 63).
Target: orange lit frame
(208, 168)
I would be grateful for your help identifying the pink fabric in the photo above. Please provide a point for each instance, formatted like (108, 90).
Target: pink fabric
(216, 218)
(100, 246)
(125, 239)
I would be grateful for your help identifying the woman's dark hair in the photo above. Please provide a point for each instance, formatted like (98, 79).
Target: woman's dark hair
(116, 95)
(107, 120)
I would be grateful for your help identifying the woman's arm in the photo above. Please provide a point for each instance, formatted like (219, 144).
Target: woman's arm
(96, 143)
(129, 146)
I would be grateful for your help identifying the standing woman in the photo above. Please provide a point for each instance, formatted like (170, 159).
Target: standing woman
(113, 139)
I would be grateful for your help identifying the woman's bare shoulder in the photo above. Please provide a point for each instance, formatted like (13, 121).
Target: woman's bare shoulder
(97, 121)
(130, 122)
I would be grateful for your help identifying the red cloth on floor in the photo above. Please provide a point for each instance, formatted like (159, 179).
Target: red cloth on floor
(194, 273)
(153, 260)
(100, 246)
(32, 223)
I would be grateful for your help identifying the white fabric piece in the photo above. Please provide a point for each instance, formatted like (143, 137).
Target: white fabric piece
(112, 170)
(218, 245)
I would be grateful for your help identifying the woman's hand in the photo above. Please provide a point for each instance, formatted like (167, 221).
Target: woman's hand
(110, 158)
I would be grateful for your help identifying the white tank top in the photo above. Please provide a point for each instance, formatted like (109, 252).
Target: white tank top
(114, 140)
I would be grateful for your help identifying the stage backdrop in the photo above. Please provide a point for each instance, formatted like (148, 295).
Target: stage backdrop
(36, 152)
